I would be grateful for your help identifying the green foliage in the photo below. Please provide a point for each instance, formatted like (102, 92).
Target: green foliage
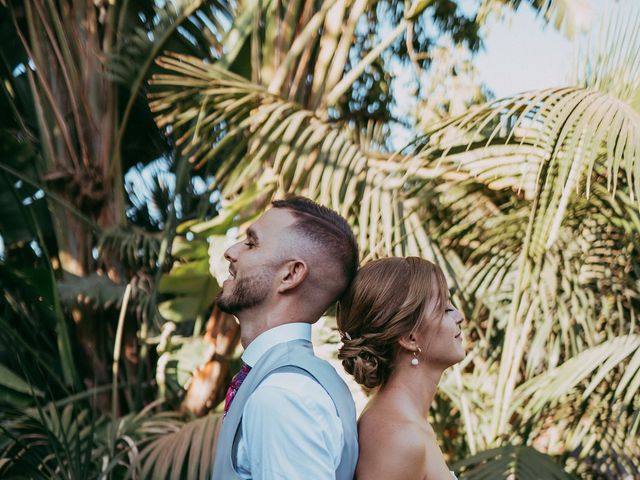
(192, 289)
(29, 335)
(526, 201)
(66, 440)
(187, 452)
(530, 205)
(14, 390)
(523, 463)
(46, 442)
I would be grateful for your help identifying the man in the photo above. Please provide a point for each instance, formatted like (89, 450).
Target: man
(288, 415)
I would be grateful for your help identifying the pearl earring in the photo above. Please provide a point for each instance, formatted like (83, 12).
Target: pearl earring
(414, 360)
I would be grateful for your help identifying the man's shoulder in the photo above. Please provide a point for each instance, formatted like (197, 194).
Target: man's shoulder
(291, 394)
(293, 380)
(293, 367)
(297, 357)
(298, 375)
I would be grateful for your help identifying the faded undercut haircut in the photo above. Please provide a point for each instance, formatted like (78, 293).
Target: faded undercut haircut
(326, 229)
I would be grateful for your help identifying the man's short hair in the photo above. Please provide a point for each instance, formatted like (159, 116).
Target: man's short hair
(327, 229)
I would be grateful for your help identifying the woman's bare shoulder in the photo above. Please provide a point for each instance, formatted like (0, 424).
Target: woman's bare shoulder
(391, 447)
(396, 431)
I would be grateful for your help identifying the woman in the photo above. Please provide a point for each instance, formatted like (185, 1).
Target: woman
(400, 332)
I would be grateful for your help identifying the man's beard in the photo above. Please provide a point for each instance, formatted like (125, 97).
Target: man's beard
(247, 293)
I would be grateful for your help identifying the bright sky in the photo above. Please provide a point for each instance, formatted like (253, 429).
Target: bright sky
(522, 53)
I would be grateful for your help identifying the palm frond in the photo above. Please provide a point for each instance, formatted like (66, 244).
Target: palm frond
(607, 61)
(46, 441)
(306, 153)
(184, 453)
(523, 463)
(134, 247)
(494, 197)
(15, 390)
(190, 289)
(191, 26)
(564, 132)
(593, 364)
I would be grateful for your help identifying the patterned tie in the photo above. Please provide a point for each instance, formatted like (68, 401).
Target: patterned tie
(235, 385)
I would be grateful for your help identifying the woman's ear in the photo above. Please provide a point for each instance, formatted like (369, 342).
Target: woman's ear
(294, 274)
(409, 342)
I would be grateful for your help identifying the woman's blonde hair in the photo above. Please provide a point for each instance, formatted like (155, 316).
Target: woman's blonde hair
(388, 300)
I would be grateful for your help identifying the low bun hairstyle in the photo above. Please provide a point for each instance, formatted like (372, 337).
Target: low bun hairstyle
(389, 299)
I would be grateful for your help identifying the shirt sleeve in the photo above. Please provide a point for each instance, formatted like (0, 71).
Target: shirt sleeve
(292, 430)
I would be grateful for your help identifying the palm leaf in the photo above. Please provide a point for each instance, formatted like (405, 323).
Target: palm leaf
(96, 289)
(564, 132)
(593, 364)
(132, 246)
(191, 25)
(523, 463)
(187, 453)
(47, 441)
(608, 60)
(308, 154)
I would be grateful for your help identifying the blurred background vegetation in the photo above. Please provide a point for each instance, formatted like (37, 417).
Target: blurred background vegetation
(138, 138)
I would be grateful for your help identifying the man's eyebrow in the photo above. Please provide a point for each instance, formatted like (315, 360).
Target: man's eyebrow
(251, 234)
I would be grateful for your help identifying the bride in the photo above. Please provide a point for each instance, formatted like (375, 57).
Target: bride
(400, 332)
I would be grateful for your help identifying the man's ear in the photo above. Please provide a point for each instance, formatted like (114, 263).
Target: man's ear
(294, 274)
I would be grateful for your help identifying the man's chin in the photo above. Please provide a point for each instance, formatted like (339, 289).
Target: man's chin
(223, 304)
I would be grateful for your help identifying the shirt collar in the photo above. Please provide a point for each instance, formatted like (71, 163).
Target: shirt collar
(271, 338)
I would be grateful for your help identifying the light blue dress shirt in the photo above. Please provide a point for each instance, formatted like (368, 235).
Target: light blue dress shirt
(290, 427)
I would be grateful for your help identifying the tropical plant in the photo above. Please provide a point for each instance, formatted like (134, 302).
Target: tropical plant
(296, 53)
(298, 97)
(525, 202)
(81, 253)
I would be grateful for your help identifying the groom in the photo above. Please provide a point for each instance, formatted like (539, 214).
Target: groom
(288, 415)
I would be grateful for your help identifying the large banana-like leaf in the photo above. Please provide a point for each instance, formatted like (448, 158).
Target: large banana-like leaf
(94, 289)
(177, 364)
(189, 286)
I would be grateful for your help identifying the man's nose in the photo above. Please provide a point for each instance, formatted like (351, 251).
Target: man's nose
(230, 254)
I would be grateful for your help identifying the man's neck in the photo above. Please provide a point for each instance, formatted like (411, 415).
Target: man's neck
(254, 322)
